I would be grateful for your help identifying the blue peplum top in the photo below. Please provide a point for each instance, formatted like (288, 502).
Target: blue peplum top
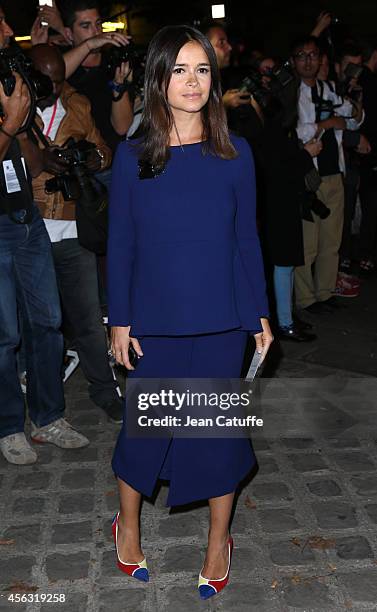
(183, 252)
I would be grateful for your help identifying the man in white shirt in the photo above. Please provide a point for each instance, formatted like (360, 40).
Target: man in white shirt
(321, 114)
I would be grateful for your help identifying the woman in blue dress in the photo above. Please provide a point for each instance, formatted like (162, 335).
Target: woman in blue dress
(186, 285)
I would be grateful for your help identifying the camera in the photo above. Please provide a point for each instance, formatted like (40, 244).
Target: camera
(253, 85)
(351, 72)
(77, 181)
(311, 204)
(280, 78)
(318, 207)
(113, 57)
(12, 60)
(309, 201)
(326, 108)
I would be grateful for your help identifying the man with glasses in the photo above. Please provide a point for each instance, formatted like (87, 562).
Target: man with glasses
(321, 114)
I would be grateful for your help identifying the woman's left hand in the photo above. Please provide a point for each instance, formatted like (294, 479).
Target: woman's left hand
(264, 339)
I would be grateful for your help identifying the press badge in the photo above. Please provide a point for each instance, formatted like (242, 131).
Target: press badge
(11, 180)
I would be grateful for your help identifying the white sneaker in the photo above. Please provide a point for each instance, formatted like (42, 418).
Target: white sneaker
(60, 433)
(16, 449)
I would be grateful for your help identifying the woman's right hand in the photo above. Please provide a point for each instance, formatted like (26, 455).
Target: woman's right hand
(313, 147)
(120, 342)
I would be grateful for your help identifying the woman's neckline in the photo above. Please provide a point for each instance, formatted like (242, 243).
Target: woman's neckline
(189, 144)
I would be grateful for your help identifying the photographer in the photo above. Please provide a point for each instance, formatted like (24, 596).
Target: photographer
(285, 164)
(110, 95)
(324, 114)
(111, 102)
(348, 67)
(66, 114)
(217, 36)
(242, 113)
(27, 287)
(368, 164)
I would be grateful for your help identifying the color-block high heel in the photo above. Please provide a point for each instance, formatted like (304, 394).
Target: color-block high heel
(136, 570)
(209, 587)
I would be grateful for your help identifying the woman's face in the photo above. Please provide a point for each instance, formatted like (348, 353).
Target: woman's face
(190, 83)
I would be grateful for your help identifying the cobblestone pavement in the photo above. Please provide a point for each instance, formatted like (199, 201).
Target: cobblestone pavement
(304, 528)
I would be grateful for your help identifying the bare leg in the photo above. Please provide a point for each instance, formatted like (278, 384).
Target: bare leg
(129, 524)
(216, 561)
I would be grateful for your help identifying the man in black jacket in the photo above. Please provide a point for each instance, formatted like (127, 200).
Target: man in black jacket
(28, 285)
(355, 144)
(368, 167)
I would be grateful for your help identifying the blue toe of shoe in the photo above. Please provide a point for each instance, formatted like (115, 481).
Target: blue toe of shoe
(142, 574)
(206, 591)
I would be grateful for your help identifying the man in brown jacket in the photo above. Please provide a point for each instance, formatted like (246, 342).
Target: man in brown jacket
(63, 115)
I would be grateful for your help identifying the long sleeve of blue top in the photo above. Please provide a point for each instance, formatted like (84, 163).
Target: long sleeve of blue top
(183, 251)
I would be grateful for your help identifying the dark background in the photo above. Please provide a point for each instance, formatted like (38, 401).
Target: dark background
(269, 23)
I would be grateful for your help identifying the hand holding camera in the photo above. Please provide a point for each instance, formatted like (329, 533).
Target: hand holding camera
(233, 98)
(53, 162)
(15, 108)
(50, 16)
(123, 73)
(73, 166)
(114, 38)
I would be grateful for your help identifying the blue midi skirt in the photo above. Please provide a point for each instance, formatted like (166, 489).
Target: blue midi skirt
(197, 468)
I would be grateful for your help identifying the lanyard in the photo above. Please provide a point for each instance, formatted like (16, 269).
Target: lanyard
(52, 119)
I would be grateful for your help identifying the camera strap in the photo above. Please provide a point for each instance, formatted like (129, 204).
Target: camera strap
(317, 99)
(37, 130)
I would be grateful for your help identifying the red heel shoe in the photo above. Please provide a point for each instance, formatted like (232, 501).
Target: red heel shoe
(207, 587)
(137, 570)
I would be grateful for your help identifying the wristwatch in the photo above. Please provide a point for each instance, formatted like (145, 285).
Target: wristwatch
(120, 89)
(117, 87)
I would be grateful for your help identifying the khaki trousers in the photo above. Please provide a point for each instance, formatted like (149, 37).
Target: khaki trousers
(316, 283)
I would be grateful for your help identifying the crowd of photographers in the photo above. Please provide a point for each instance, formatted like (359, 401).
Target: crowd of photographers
(311, 122)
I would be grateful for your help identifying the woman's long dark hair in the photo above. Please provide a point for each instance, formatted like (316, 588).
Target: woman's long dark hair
(157, 120)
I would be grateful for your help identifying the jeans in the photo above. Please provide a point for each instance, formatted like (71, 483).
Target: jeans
(76, 273)
(105, 178)
(28, 287)
(283, 286)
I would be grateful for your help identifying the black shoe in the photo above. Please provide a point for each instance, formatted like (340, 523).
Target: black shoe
(114, 410)
(303, 325)
(295, 334)
(332, 303)
(318, 308)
